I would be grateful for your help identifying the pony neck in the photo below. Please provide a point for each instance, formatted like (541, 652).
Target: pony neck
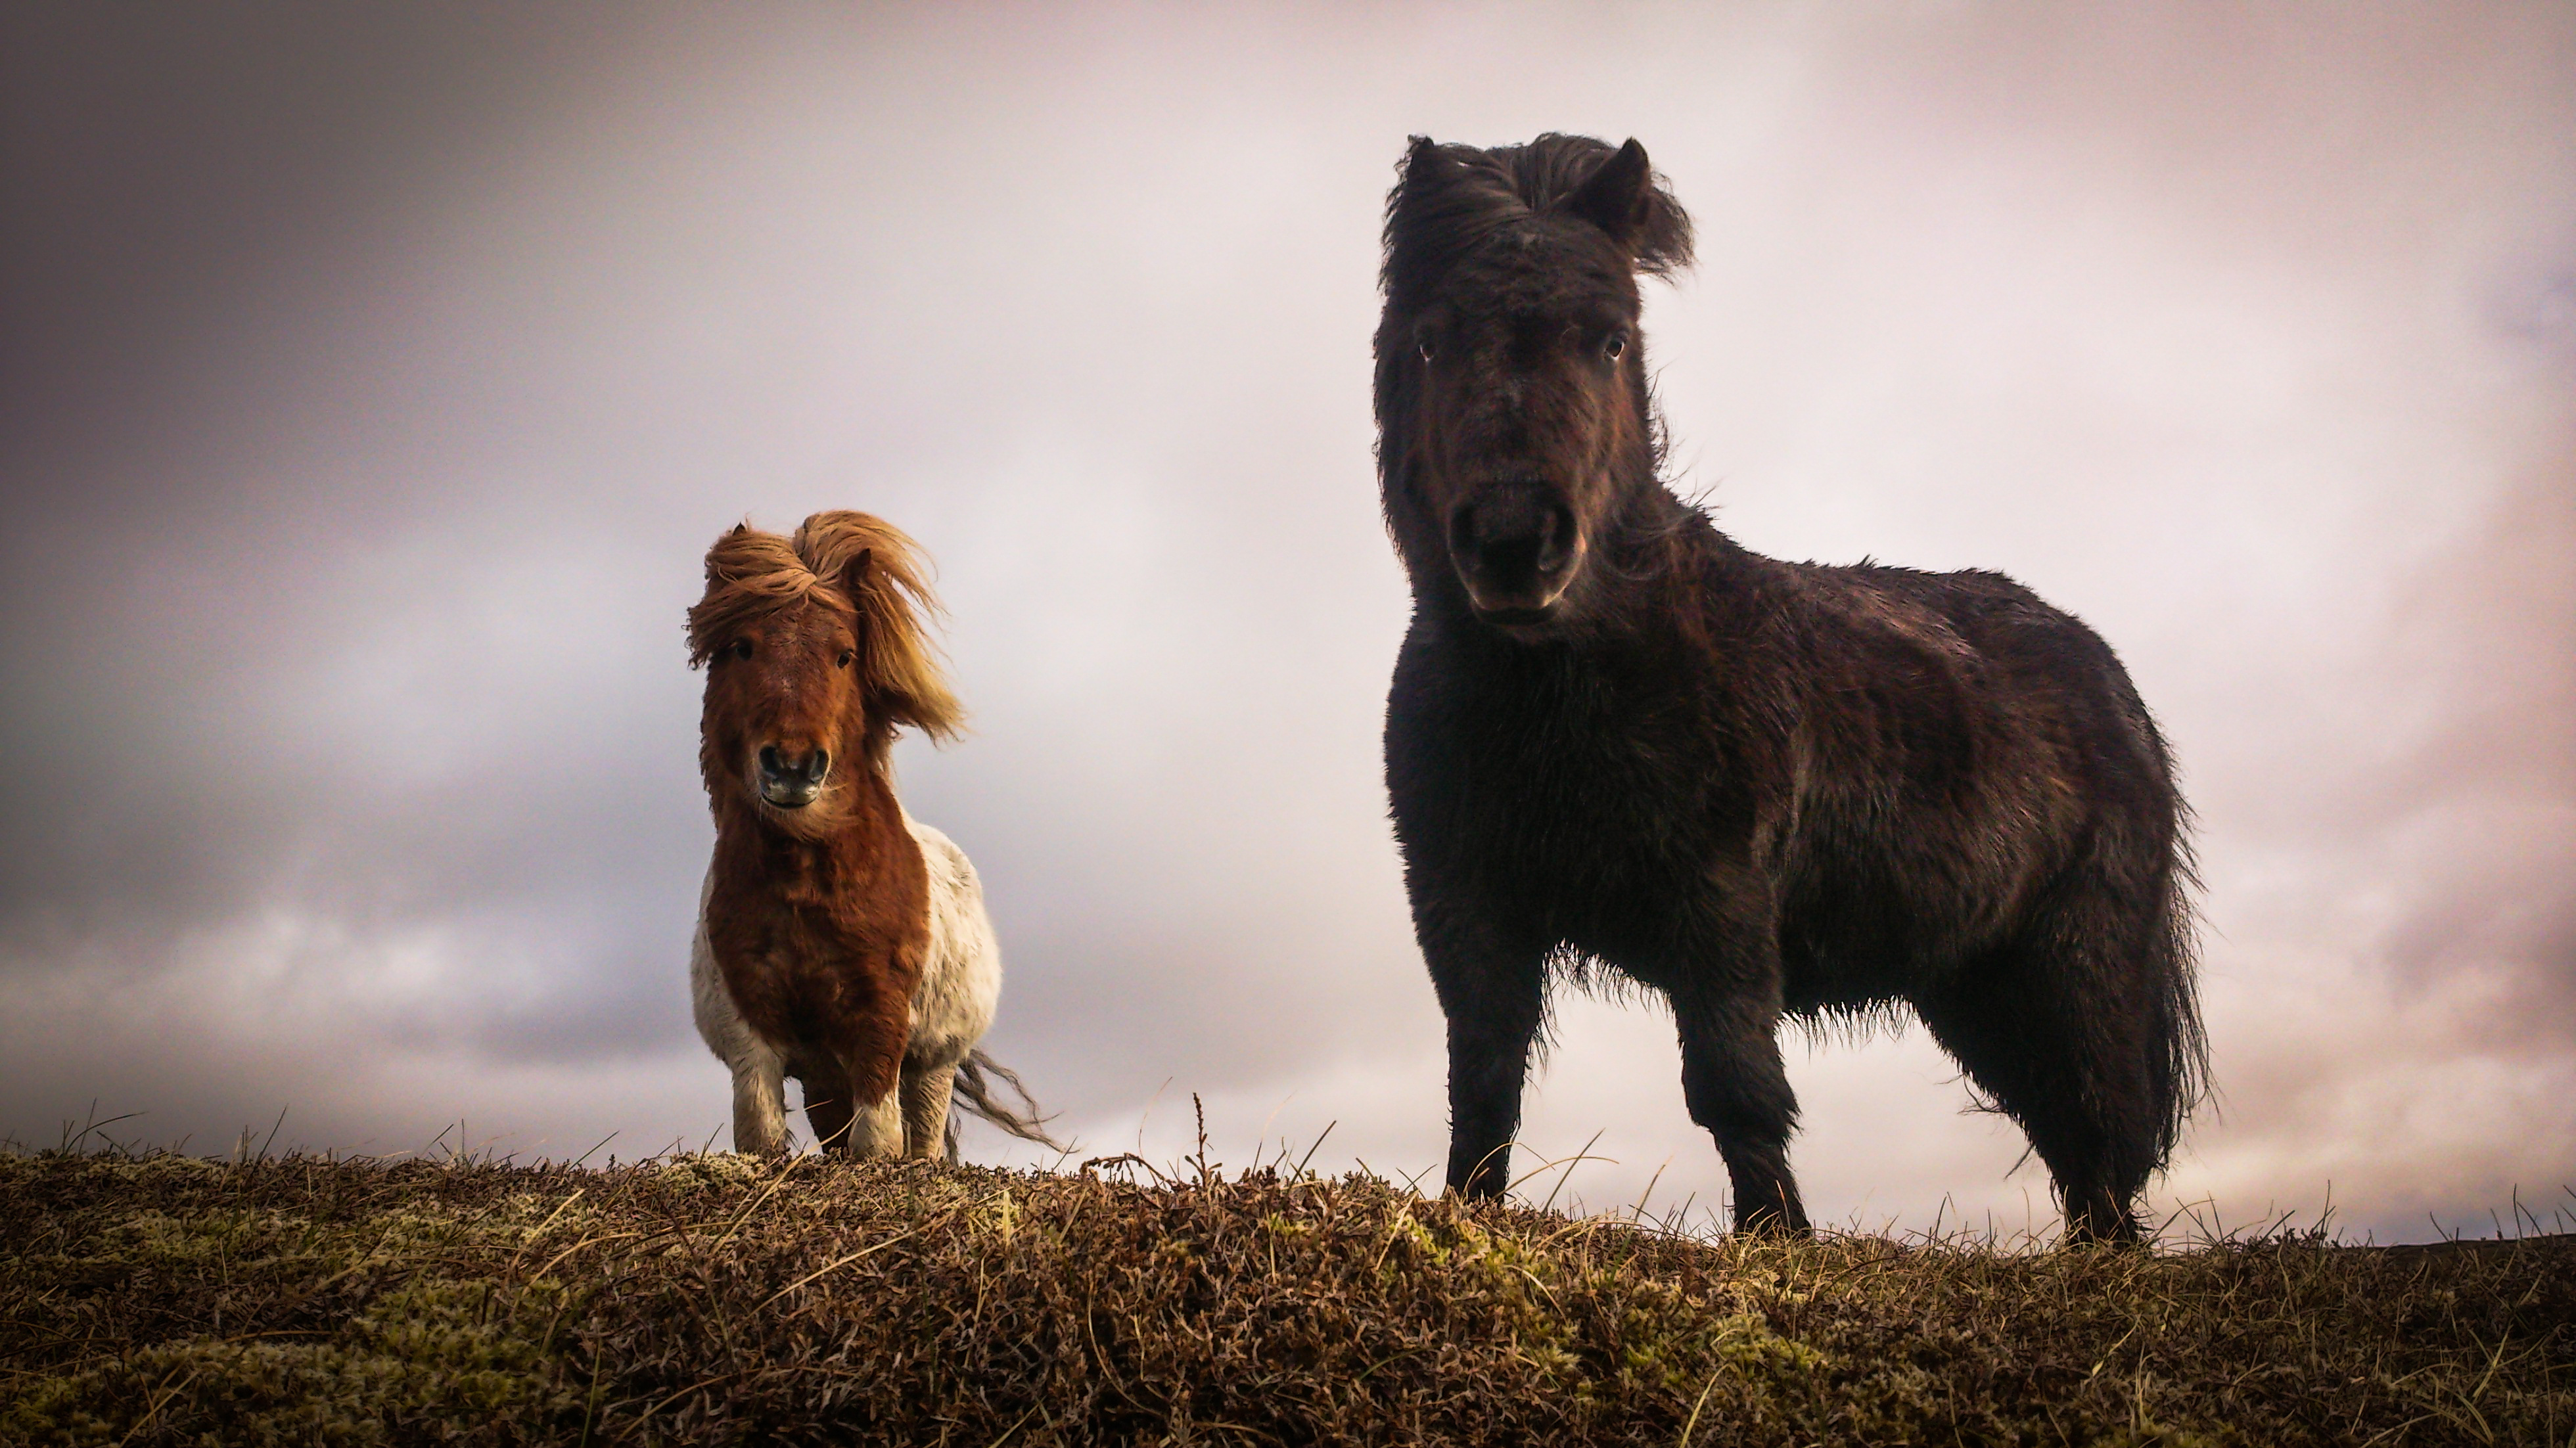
(1653, 564)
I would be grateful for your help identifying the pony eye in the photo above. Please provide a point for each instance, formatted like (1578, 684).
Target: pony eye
(846, 656)
(738, 649)
(1427, 345)
(1616, 346)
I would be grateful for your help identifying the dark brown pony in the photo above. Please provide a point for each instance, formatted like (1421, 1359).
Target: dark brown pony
(840, 941)
(1615, 738)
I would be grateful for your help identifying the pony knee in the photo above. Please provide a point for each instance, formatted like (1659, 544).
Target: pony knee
(1741, 1103)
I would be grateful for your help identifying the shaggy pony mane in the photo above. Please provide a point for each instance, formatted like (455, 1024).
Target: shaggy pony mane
(859, 564)
(1449, 199)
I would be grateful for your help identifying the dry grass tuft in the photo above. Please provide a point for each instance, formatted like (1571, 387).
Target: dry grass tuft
(161, 1299)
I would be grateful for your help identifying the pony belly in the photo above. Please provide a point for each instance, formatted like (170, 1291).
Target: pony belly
(961, 975)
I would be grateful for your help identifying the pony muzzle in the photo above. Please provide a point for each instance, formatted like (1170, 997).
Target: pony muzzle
(787, 780)
(1516, 548)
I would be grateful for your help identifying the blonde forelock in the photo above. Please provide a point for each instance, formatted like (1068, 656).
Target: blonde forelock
(751, 574)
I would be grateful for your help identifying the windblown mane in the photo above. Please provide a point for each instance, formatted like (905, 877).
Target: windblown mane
(1450, 198)
(751, 573)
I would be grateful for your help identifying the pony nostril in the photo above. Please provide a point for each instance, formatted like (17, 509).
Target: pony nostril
(1555, 538)
(820, 765)
(770, 763)
(1462, 532)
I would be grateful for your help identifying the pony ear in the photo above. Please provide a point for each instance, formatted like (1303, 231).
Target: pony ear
(715, 569)
(1445, 200)
(1614, 199)
(856, 586)
(1426, 168)
(1621, 198)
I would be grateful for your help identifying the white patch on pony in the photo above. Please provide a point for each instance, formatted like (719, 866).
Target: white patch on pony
(961, 978)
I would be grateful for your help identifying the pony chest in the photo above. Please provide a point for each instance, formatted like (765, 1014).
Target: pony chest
(783, 938)
(793, 966)
(1559, 793)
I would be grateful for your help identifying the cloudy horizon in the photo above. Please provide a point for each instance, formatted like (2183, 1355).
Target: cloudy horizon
(371, 384)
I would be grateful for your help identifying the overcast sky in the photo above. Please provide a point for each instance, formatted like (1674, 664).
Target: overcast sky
(372, 381)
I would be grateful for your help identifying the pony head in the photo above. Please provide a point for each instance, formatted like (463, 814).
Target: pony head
(815, 654)
(1516, 428)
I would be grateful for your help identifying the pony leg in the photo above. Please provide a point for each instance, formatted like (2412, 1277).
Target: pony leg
(2077, 1075)
(1738, 1090)
(2024, 1050)
(865, 1131)
(2085, 1033)
(876, 1129)
(759, 1098)
(827, 1104)
(1495, 998)
(925, 1110)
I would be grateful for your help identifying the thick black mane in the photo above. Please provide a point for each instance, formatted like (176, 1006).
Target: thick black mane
(1454, 197)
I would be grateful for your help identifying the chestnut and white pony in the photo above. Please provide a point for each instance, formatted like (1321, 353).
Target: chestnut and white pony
(839, 941)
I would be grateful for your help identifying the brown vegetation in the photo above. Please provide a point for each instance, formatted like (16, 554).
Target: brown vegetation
(164, 1299)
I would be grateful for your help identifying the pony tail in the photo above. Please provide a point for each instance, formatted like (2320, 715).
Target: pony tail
(975, 1097)
(2178, 1072)
(881, 572)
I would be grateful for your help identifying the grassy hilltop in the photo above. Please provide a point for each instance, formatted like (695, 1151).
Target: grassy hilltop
(165, 1299)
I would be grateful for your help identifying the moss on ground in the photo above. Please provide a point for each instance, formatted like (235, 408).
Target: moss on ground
(161, 1299)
